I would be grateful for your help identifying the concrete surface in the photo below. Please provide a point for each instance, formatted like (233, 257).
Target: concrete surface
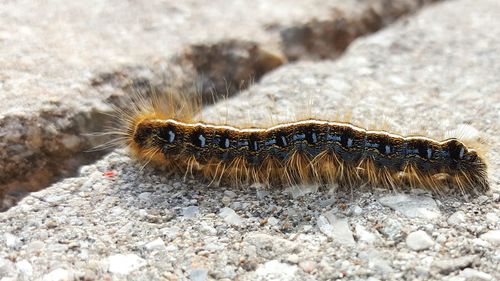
(431, 72)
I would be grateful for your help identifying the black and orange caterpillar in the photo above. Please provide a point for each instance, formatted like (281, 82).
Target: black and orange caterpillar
(301, 152)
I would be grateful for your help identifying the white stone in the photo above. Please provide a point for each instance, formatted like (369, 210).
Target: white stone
(492, 236)
(357, 210)
(171, 248)
(491, 218)
(6, 267)
(199, 274)
(230, 216)
(457, 218)
(293, 258)
(412, 206)
(59, 274)
(336, 228)
(275, 270)
(472, 274)
(124, 264)
(24, 267)
(365, 235)
(392, 228)
(419, 240)
(273, 221)
(207, 229)
(156, 244)
(12, 241)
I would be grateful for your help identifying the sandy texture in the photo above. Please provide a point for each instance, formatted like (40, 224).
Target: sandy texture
(431, 72)
(60, 60)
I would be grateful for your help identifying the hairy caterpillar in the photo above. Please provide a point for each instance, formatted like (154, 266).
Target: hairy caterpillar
(164, 131)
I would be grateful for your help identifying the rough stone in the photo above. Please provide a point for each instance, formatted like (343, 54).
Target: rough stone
(446, 266)
(336, 228)
(457, 218)
(156, 244)
(198, 274)
(474, 275)
(59, 274)
(492, 236)
(231, 217)
(419, 240)
(275, 270)
(412, 206)
(124, 264)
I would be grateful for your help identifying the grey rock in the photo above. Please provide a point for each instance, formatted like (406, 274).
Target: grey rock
(273, 221)
(190, 212)
(268, 246)
(412, 206)
(229, 193)
(419, 240)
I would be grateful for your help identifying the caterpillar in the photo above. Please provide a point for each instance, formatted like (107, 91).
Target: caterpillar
(163, 131)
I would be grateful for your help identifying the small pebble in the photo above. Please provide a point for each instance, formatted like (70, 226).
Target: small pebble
(230, 194)
(231, 217)
(412, 206)
(156, 244)
(364, 235)
(226, 200)
(336, 228)
(273, 221)
(392, 228)
(276, 270)
(198, 274)
(124, 264)
(24, 267)
(492, 236)
(307, 266)
(12, 241)
(491, 218)
(190, 212)
(58, 275)
(473, 274)
(356, 210)
(419, 240)
(457, 218)
(293, 258)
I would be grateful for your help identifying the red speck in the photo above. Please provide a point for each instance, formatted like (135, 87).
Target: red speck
(109, 174)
